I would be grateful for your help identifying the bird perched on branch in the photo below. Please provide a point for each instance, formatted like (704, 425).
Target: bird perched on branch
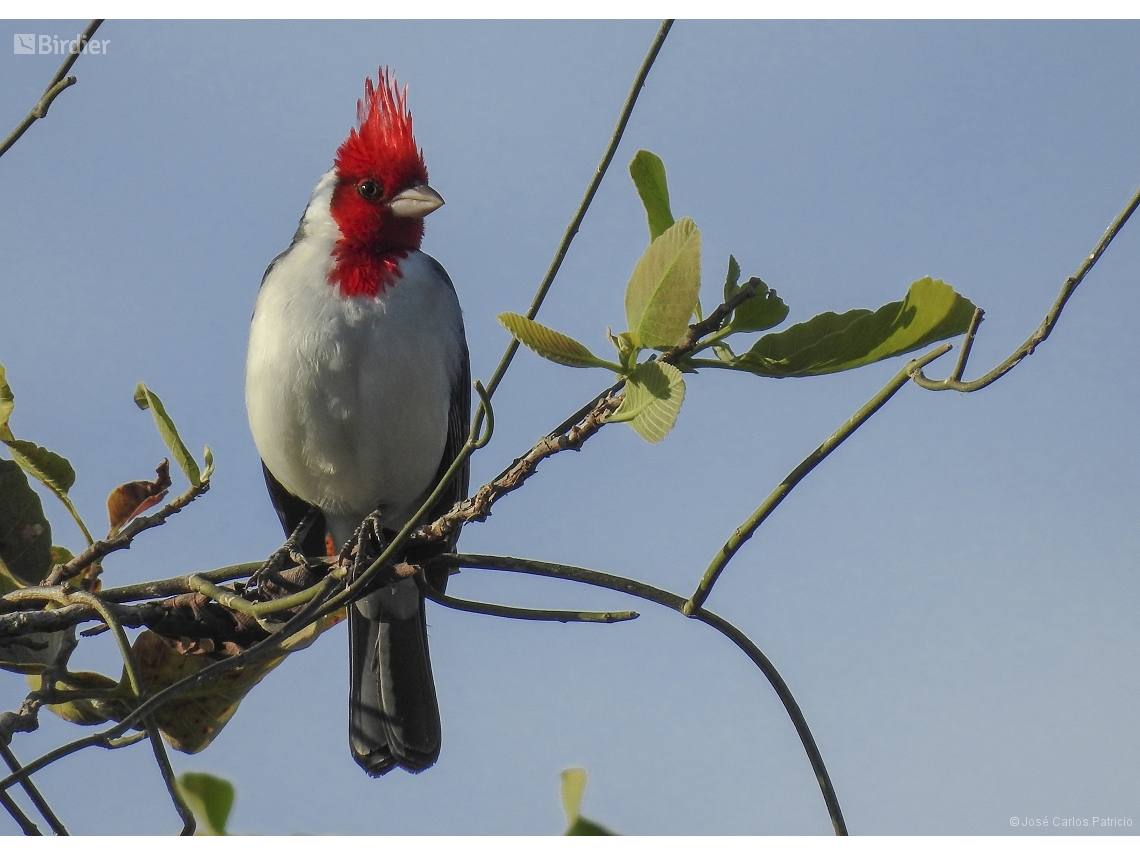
(358, 392)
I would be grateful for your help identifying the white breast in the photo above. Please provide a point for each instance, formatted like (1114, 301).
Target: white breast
(348, 398)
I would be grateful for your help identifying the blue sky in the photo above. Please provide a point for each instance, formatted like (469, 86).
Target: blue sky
(952, 596)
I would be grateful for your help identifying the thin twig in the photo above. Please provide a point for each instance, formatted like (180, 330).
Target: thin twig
(748, 528)
(235, 602)
(139, 689)
(100, 740)
(1051, 318)
(177, 585)
(968, 343)
(58, 83)
(189, 823)
(29, 828)
(478, 507)
(793, 709)
(677, 604)
(124, 741)
(584, 205)
(496, 610)
(33, 792)
(53, 620)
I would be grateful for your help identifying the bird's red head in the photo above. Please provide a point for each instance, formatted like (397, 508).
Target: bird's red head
(381, 194)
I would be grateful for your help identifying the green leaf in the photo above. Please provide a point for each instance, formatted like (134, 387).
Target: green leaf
(760, 312)
(662, 291)
(648, 174)
(573, 788)
(210, 798)
(47, 467)
(7, 404)
(551, 344)
(654, 393)
(146, 399)
(208, 460)
(25, 535)
(733, 276)
(828, 343)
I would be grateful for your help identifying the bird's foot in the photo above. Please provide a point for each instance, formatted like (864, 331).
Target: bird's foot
(367, 544)
(268, 581)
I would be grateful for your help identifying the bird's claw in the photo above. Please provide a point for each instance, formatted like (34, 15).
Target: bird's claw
(285, 556)
(367, 544)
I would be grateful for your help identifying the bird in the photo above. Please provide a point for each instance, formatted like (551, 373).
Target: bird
(358, 392)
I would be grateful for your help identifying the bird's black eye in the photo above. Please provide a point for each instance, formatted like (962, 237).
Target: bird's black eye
(369, 189)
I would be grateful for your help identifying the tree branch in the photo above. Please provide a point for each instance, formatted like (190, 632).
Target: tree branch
(495, 610)
(1042, 332)
(33, 793)
(29, 828)
(57, 85)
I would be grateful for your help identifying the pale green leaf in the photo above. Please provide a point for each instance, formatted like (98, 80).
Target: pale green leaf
(146, 399)
(573, 788)
(551, 344)
(662, 291)
(648, 174)
(654, 393)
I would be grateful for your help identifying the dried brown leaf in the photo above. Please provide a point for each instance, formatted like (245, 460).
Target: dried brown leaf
(129, 500)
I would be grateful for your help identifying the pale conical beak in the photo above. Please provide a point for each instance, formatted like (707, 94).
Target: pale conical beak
(418, 201)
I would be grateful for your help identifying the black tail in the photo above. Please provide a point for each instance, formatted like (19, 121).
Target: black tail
(393, 715)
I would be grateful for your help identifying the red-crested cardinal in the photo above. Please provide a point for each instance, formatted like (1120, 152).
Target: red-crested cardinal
(358, 392)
